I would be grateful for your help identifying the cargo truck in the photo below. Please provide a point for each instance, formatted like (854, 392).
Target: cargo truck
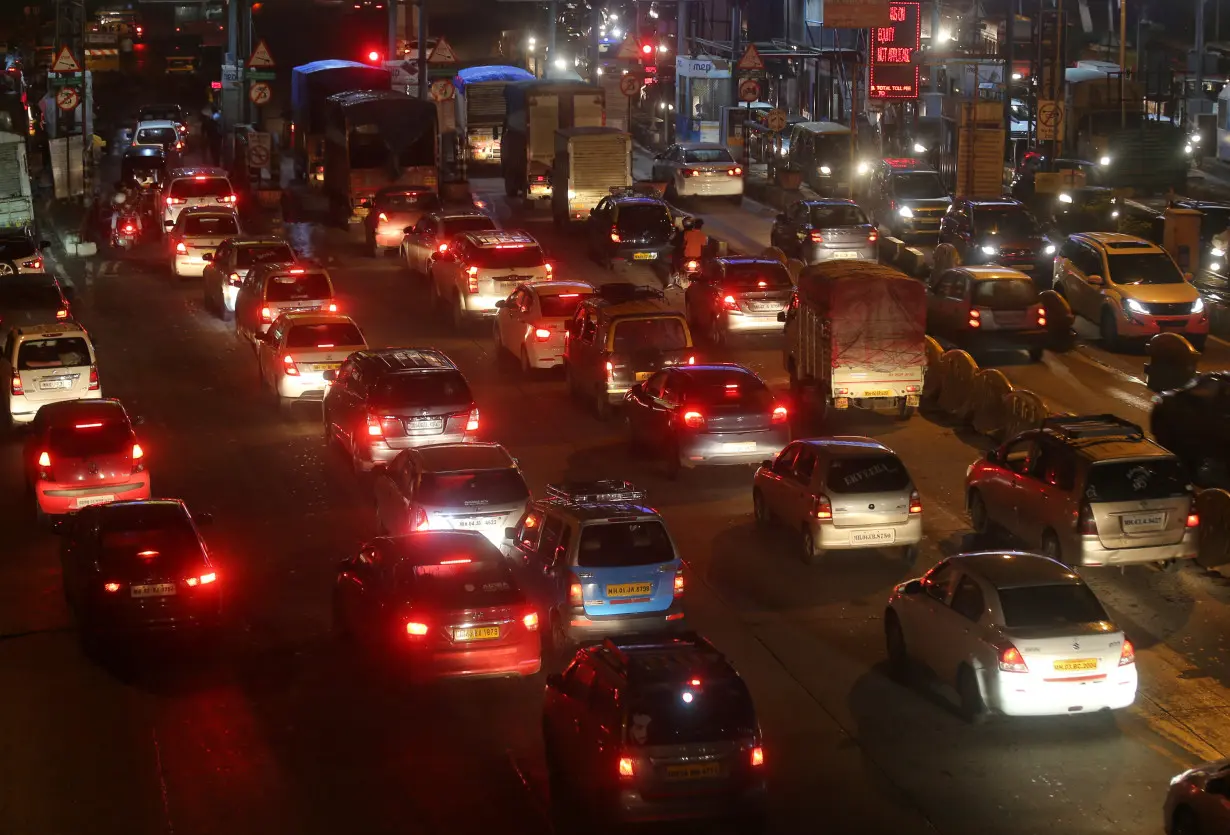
(480, 108)
(376, 139)
(310, 88)
(589, 163)
(854, 337)
(535, 111)
(16, 203)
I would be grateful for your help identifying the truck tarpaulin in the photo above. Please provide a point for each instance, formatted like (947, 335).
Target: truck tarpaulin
(495, 72)
(312, 83)
(401, 121)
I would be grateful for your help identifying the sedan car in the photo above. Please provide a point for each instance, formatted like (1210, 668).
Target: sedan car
(986, 308)
(1199, 800)
(195, 238)
(823, 230)
(699, 169)
(297, 350)
(393, 210)
(705, 414)
(1013, 633)
(229, 265)
(530, 322)
(433, 234)
(738, 295)
(438, 604)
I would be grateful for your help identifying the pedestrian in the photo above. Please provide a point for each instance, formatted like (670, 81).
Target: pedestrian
(212, 128)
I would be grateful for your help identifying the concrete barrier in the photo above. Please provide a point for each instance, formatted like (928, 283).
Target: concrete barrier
(1059, 321)
(932, 378)
(1172, 362)
(1214, 509)
(774, 253)
(957, 372)
(912, 261)
(890, 248)
(987, 401)
(1022, 410)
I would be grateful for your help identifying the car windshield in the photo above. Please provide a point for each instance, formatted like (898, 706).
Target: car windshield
(200, 187)
(645, 219)
(918, 185)
(138, 540)
(871, 473)
(157, 136)
(1005, 223)
(15, 295)
(1130, 481)
(708, 155)
(508, 257)
(1143, 268)
(457, 225)
(57, 352)
(213, 226)
(89, 437)
(727, 388)
(433, 388)
(1005, 294)
(250, 255)
(1032, 607)
(459, 585)
(560, 305)
(324, 335)
(829, 217)
(405, 201)
(744, 278)
(293, 288)
(616, 544)
(472, 489)
(715, 712)
(658, 333)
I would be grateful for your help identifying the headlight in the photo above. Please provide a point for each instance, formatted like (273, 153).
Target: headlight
(863, 168)
(1198, 306)
(784, 151)
(989, 250)
(825, 170)
(905, 211)
(1187, 149)
(1065, 198)
(1195, 140)
(1135, 306)
(1215, 266)
(1104, 161)
(1218, 253)
(1115, 213)
(920, 148)
(1050, 249)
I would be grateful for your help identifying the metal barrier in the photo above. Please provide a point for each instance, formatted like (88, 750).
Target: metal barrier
(1214, 509)
(987, 401)
(933, 378)
(957, 372)
(1022, 410)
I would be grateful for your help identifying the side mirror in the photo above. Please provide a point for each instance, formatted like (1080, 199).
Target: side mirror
(781, 217)
(781, 316)
(203, 519)
(208, 256)
(330, 375)
(44, 244)
(767, 464)
(1096, 280)
(912, 587)
(636, 389)
(510, 534)
(555, 681)
(993, 456)
(500, 303)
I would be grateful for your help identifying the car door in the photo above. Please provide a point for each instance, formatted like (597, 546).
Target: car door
(248, 304)
(1086, 298)
(664, 411)
(773, 487)
(343, 396)
(782, 234)
(938, 304)
(598, 224)
(599, 736)
(1002, 498)
(516, 318)
(640, 408)
(548, 566)
(918, 614)
(268, 350)
(796, 487)
(217, 267)
(957, 631)
(358, 593)
(392, 490)
(1045, 485)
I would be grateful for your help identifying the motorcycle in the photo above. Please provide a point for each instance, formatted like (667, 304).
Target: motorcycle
(687, 272)
(127, 231)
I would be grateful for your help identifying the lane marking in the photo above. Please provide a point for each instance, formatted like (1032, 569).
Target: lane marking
(162, 783)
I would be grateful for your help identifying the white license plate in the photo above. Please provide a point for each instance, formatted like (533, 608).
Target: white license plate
(881, 537)
(54, 385)
(480, 522)
(769, 307)
(154, 590)
(326, 366)
(740, 446)
(845, 254)
(86, 501)
(1143, 522)
(426, 424)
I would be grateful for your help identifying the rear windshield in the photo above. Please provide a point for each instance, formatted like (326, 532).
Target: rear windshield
(1129, 481)
(293, 288)
(727, 388)
(249, 256)
(161, 547)
(436, 388)
(1005, 294)
(874, 473)
(664, 716)
(919, 185)
(708, 155)
(642, 219)
(16, 295)
(203, 187)
(562, 305)
(828, 217)
(751, 277)
(157, 136)
(469, 585)
(659, 333)
(324, 335)
(60, 352)
(90, 437)
(473, 489)
(1040, 606)
(11, 248)
(212, 225)
(457, 225)
(506, 258)
(625, 543)
(409, 200)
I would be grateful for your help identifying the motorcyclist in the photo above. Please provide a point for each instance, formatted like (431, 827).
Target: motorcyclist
(125, 209)
(695, 242)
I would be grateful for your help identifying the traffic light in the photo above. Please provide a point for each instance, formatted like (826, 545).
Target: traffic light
(646, 51)
(373, 57)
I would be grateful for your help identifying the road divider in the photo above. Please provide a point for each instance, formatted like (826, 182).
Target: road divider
(1172, 362)
(988, 401)
(1214, 509)
(957, 372)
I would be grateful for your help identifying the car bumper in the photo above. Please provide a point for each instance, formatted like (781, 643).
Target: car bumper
(191, 265)
(308, 385)
(1028, 694)
(733, 447)
(587, 627)
(828, 536)
(1005, 340)
(752, 322)
(817, 254)
(58, 499)
(735, 802)
(498, 662)
(544, 354)
(1136, 325)
(908, 227)
(22, 410)
(123, 619)
(382, 453)
(480, 306)
(716, 186)
(1093, 553)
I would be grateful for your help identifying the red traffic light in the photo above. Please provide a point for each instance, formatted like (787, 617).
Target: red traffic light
(647, 49)
(373, 56)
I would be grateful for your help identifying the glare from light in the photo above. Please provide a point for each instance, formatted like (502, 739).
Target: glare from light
(1218, 252)
(653, 13)
(988, 250)
(1187, 149)
(906, 212)
(863, 168)
(613, 16)
(1135, 306)
(1215, 266)
(1104, 161)
(1016, 76)
(1198, 306)
(1050, 249)
(945, 35)
(600, 71)
(617, 32)
(825, 170)
(919, 148)
(663, 48)
(561, 64)
(1195, 139)
(1065, 198)
(687, 697)
(1115, 213)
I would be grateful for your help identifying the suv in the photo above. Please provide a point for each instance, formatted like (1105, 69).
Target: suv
(480, 269)
(655, 728)
(996, 231)
(48, 364)
(386, 400)
(196, 187)
(1129, 287)
(34, 298)
(597, 561)
(1088, 491)
(611, 346)
(907, 197)
(630, 227)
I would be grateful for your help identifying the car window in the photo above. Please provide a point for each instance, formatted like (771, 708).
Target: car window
(722, 387)
(756, 276)
(253, 254)
(505, 257)
(708, 155)
(967, 600)
(577, 680)
(717, 711)
(473, 489)
(645, 218)
(872, 473)
(1088, 261)
(58, 352)
(211, 225)
(324, 335)
(139, 544)
(20, 295)
(918, 185)
(458, 585)
(655, 385)
(1129, 481)
(302, 287)
(157, 136)
(457, 225)
(657, 333)
(826, 217)
(560, 305)
(1005, 223)
(1005, 294)
(195, 187)
(1056, 467)
(938, 580)
(804, 465)
(90, 437)
(437, 388)
(1019, 455)
(529, 531)
(619, 544)
(784, 463)
(1032, 607)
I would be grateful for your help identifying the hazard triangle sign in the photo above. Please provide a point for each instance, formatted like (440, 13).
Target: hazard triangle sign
(65, 62)
(261, 59)
(628, 50)
(750, 60)
(442, 53)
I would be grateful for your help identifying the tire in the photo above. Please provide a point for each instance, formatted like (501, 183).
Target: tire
(895, 649)
(1109, 331)
(1198, 341)
(905, 412)
(570, 382)
(224, 314)
(719, 336)
(760, 510)
(979, 518)
(1051, 547)
(1172, 566)
(1035, 354)
(7, 268)
(973, 708)
(810, 553)
(286, 407)
(561, 641)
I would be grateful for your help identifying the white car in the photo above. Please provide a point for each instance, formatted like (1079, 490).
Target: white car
(299, 348)
(187, 187)
(699, 169)
(480, 268)
(433, 233)
(48, 364)
(1014, 633)
(195, 238)
(20, 253)
(158, 133)
(530, 322)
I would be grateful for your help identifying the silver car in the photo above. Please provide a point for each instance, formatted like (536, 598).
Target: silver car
(842, 493)
(824, 230)
(699, 169)
(466, 487)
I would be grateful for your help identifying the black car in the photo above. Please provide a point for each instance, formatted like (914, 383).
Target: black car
(21, 252)
(139, 566)
(1000, 232)
(145, 165)
(631, 227)
(1194, 423)
(33, 299)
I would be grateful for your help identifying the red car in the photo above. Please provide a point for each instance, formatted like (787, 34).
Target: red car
(440, 604)
(81, 453)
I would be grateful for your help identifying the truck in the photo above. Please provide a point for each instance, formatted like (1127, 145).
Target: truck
(480, 108)
(375, 139)
(855, 336)
(310, 87)
(535, 111)
(16, 201)
(589, 163)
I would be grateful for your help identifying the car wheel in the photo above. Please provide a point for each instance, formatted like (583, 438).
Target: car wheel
(1109, 330)
(719, 335)
(7, 268)
(561, 641)
(979, 518)
(1035, 354)
(895, 648)
(1051, 547)
(1172, 566)
(760, 510)
(811, 554)
(905, 411)
(570, 381)
(286, 407)
(973, 708)
(356, 462)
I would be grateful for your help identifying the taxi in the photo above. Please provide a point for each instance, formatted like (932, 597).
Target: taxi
(48, 364)
(299, 348)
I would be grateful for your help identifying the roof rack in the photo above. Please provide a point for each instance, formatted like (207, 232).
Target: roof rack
(1090, 427)
(604, 491)
(618, 292)
(671, 652)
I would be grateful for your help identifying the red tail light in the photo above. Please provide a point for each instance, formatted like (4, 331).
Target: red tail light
(137, 452)
(690, 172)
(627, 767)
(1086, 525)
(230, 198)
(1193, 519)
(757, 757)
(915, 502)
(176, 201)
(734, 172)
(382, 217)
(203, 580)
(62, 313)
(442, 248)
(472, 280)
(975, 318)
(610, 372)
(44, 459)
(693, 420)
(181, 249)
(419, 521)
(691, 360)
(266, 315)
(821, 507)
(289, 367)
(93, 378)
(530, 621)
(549, 269)
(1041, 317)
(472, 422)
(1011, 660)
(111, 587)
(576, 593)
(1127, 655)
(128, 227)
(679, 584)
(542, 334)
(235, 280)
(15, 387)
(373, 427)
(729, 303)
(692, 266)
(873, 236)
(780, 414)
(615, 235)
(331, 307)
(416, 629)
(36, 264)
(815, 237)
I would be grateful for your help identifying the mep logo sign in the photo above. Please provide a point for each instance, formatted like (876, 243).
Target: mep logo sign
(894, 70)
(854, 14)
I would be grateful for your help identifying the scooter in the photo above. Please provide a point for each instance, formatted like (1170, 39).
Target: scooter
(127, 231)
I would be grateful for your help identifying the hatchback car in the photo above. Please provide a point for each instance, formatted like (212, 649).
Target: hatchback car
(195, 238)
(630, 227)
(1199, 800)
(208, 187)
(48, 364)
(841, 493)
(271, 289)
(1001, 232)
(81, 453)
(132, 567)
(434, 234)
(699, 169)
(1014, 634)
(393, 210)
(33, 299)
(530, 322)
(159, 133)
(438, 604)
(299, 348)
(986, 308)
(823, 230)
(737, 296)
(226, 270)
(481, 268)
(464, 487)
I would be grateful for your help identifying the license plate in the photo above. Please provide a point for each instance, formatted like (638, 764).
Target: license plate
(766, 307)
(881, 537)
(644, 256)
(326, 366)
(1076, 665)
(629, 589)
(1143, 522)
(844, 254)
(54, 385)
(476, 522)
(362, 212)
(86, 501)
(1010, 320)
(694, 771)
(425, 424)
(641, 376)
(740, 446)
(878, 393)
(476, 633)
(154, 590)
(509, 278)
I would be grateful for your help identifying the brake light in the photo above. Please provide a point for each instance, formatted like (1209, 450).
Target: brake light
(690, 172)
(975, 318)
(531, 621)
(542, 334)
(111, 587)
(62, 313)
(548, 268)
(780, 414)
(576, 593)
(230, 198)
(266, 315)
(729, 303)
(472, 280)
(679, 583)
(297, 271)
(332, 307)
(234, 279)
(93, 378)
(1011, 660)
(373, 427)
(1086, 525)
(175, 201)
(442, 248)
(734, 172)
(420, 522)
(693, 420)
(915, 502)
(757, 757)
(44, 459)
(382, 217)
(415, 629)
(1127, 655)
(472, 422)
(873, 236)
(180, 248)
(692, 266)
(128, 227)
(203, 580)
(1041, 317)
(137, 452)
(36, 264)
(615, 235)
(289, 367)
(15, 386)
(610, 371)
(692, 360)
(626, 767)
(821, 507)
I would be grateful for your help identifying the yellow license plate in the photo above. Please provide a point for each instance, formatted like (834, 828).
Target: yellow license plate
(476, 633)
(694, 771)
(629, 590)
(643, 256)
(641, 376)
(878, 393)
(1076, 665)
(361, 212)
(328, 366)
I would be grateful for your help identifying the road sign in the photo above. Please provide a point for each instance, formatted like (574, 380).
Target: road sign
(260, 58)
(442, 90)
(260, 149)
(855, 14)
(776, 119)
(66, 80)
(65, 62)
(749, 90)
(628, 50)
(260, 75)
(259, 92)
(68, 98)
(1050, 120)
(751, 59)
(629, 85)
(442, 53)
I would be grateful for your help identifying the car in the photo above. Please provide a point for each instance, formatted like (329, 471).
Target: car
(199, 186)
(196, 235)
(1001, 232)
(271, 289)
(479, 269)
(649, 729)
(1130, 288)
(159, 134)
(395, 208)
(438, 605)
(1193, 422)
(613, 344)
(820, 151)
(297, 350)
(738, 295)
(597, 561)
(717, 413)
(530, 322)
(434, 233)
(46, 364)
(34, 298)
(699, 169)
(80, 453)
(630, 227)
(907, 198)
(841, 493)
(234, 257)
(20, 252)
(472, 487)
(385, 400)
(986, 308)
(165, 113)
(1088, 490)
(1014, 633)
(1074, 173)
(181, 65)
(147, 166)
(1199, 800)
(820, 230)
(139, 567)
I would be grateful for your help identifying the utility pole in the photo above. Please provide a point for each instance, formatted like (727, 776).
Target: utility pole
(70, 33)
(423, 50)
(1010, 31)
(392, 21)
(553, 10)
(1199, 92)
(683, 83)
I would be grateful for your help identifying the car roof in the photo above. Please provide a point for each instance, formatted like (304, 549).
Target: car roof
(108, 407)
(255, 240)
(1115, 242)
(434, 547)
(641, 199)
(1015, 569)
(117, 511)
(829, 201)
(496, 238)
(636, 307)
(407, 359)
(994, 274)
(457, 214)
(315, 318)
(45, 279)
(447, 458)
(689, 370)
(289, 267)
(647, 660)
(749, 259)
(600, 511)
(847, 444)
(49, 330)
(550, 287)
(703, 146)
(197, 171)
